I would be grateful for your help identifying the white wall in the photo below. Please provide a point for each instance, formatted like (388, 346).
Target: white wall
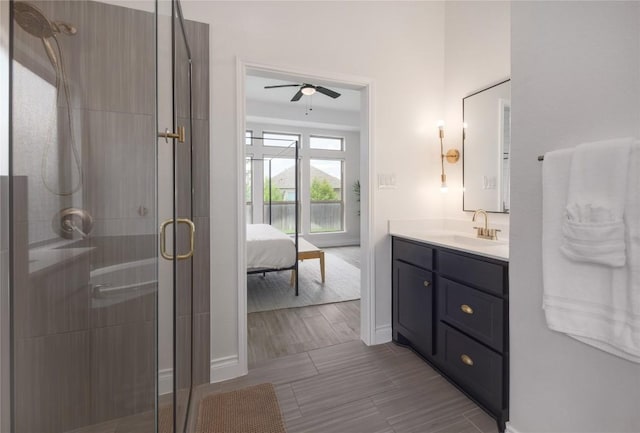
(351, 171)
(397, 44)
(477, 55)
(576, 78)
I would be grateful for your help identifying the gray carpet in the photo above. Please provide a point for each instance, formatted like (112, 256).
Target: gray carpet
(273, 292)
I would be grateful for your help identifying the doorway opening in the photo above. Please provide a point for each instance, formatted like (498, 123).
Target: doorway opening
(328, 119)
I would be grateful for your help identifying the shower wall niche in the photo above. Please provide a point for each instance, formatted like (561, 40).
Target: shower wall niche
(85, 220)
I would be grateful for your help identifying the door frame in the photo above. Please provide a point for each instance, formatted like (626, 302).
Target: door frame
(5, 372)
(367, 195)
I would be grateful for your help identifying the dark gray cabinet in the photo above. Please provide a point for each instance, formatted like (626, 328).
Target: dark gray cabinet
(413, 305)
(452, 308)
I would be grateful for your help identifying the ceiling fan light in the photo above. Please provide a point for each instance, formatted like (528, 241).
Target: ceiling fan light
(308, 90)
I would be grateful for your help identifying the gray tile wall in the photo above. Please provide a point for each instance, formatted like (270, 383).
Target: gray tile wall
(4, 305)
(198, 35)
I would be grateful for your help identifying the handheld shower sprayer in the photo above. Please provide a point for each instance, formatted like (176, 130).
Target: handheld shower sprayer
(33, 21)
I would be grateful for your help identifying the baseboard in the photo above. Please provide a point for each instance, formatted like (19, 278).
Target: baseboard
(510, 429)
(165, 381)
(225, 368)
(328, 243)
(383, 334)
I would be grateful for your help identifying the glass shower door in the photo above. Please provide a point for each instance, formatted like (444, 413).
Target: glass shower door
(175, 196)
(84, 217)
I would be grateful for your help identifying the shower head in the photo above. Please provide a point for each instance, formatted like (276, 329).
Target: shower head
(32, 20)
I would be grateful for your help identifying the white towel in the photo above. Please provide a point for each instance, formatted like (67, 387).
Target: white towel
(593, 230)
(598, 305)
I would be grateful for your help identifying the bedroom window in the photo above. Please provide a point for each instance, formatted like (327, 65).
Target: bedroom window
(248, 135)
(326, 143)
(279, 140)
(248, 189)
(282, 194)
(326, 193)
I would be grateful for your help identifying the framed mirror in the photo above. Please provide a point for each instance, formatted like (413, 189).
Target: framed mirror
(486, 143)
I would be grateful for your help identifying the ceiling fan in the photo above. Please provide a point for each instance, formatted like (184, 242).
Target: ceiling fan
(307, 89)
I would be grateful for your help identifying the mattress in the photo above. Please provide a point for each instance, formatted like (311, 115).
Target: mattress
(269, 248)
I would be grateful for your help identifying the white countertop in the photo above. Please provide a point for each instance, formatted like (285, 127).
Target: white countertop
(457, 240)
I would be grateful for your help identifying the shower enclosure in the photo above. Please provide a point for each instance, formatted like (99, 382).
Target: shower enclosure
(106, 240)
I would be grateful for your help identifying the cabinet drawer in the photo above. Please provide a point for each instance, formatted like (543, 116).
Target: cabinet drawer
(475, 367)
(413, 253)
(472, 311)
(481, 274)
(413, 306)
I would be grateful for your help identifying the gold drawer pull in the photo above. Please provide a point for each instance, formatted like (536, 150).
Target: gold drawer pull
(426, 283)
(466, 309)
(466, 359)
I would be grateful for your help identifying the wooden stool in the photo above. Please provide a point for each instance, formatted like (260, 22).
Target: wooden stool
(306, 250)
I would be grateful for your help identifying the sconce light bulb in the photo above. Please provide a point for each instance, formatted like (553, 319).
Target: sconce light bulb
(440, 124)
(444, 188)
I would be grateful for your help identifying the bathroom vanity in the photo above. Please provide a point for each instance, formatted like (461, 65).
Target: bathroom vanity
(451, 305)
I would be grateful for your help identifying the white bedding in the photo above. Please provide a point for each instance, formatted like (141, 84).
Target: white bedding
(269, 248)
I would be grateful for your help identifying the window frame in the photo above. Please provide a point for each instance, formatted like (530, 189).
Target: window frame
(331, 137)
(343, 163)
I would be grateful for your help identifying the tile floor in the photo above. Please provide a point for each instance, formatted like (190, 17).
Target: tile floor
(353, 388)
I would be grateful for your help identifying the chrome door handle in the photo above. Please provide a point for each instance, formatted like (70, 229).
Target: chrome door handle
(163, 239)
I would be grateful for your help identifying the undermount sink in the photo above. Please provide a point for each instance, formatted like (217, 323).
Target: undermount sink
(468, 240)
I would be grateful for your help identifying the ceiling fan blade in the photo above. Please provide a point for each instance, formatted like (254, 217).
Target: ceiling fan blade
(282, 85)
(327, 92)
(297, 96)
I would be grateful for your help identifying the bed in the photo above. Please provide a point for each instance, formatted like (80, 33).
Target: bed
(268, 248)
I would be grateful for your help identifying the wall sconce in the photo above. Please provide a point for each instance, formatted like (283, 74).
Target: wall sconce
(452, 156)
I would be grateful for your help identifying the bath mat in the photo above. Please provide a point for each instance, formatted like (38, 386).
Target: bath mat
(250, 410)
(165, 419)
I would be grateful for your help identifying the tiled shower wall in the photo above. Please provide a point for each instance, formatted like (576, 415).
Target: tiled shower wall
(198, 36)
(78, 359)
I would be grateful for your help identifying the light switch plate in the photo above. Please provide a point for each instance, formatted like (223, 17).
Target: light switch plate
(387, 181)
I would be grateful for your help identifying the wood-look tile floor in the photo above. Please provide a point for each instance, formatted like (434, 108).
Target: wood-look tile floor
(353, 388)
(273, 334)
(327, 380)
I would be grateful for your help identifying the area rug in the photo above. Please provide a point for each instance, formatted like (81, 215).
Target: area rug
(274, 291)
(250, 410)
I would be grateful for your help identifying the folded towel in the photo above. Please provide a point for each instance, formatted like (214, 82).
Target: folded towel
(593, 230)
(598, 305)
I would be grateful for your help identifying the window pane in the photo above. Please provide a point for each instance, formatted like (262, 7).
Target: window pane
(279, 140)
(281, 212)
(247, 138)
(248, 189)
(326, 143)
(327, 207)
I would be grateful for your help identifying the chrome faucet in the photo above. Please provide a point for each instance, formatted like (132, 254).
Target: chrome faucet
(485, 232)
